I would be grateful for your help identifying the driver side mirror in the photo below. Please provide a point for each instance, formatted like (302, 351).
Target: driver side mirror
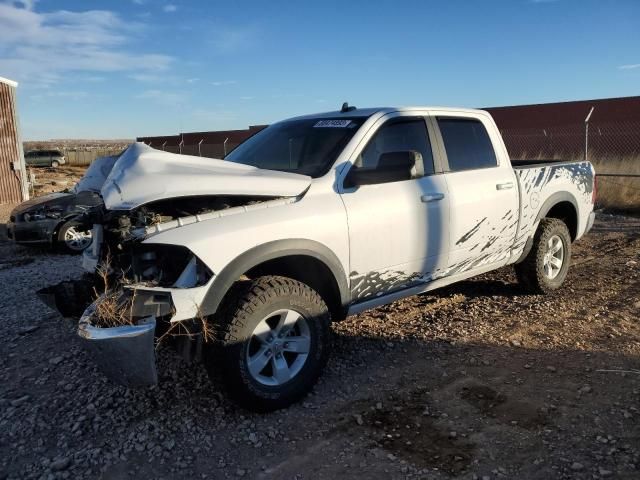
(392, 167)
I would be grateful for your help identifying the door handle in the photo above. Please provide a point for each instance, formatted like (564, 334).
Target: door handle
(431, 197)
(504, 186)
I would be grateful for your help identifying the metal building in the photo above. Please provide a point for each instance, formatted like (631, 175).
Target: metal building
(13, 177)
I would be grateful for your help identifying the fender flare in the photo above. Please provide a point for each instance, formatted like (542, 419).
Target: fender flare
(546, 207)
(223, 281)
(555, 199)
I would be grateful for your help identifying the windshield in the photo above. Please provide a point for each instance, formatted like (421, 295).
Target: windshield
(307, 146)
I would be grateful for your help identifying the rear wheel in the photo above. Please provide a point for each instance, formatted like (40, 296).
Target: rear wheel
(272, 342)
(545, 267)
(73, 237)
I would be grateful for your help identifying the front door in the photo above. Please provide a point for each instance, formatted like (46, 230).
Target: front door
(398, 230)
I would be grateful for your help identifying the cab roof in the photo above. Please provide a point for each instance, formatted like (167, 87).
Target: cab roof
(368, 112)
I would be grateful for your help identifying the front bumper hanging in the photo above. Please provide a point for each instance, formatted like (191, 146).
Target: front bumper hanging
(125, 354)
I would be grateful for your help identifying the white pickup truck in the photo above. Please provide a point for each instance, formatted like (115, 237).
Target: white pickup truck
(313, 219)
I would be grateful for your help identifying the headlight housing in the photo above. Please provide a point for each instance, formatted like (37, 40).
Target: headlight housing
(42, 214)
(161, 265)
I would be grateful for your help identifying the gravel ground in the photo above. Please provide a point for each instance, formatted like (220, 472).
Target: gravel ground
(478, 380)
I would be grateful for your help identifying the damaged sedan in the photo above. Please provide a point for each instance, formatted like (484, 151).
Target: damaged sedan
(244, 262)
(56, 219)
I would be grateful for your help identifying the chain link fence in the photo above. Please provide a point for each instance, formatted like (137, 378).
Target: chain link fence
(613, 148)
(211, 150)
(604, 140)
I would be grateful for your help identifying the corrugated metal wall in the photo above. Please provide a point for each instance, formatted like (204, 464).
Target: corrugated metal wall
(12, 174)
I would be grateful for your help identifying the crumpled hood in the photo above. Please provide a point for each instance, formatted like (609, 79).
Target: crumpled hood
(68, 203)
(44, 200)
(143, 174)
(95, 176)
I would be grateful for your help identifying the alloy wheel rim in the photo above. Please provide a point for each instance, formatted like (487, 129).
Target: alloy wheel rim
(278, 348)
(554, 258)
(77, 239)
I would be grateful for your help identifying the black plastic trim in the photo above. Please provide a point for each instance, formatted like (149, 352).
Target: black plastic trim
(270, 251)
(549, 203)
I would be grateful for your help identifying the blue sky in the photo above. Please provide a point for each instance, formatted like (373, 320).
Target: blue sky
(122, 68)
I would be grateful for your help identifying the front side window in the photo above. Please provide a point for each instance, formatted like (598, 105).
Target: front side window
(308, 146)
(467, 144)
(398, 136)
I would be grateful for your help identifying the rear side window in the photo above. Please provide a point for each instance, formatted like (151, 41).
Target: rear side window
(467, 144)
(398, 136)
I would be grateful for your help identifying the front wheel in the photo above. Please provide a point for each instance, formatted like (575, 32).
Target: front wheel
(545, 267)
(55, 164)
(73, 237)
(272, 342)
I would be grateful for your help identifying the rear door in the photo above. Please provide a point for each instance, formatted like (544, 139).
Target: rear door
(482, 190)
(398, 231)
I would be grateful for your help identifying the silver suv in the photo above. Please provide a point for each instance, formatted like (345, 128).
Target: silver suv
(44, 158)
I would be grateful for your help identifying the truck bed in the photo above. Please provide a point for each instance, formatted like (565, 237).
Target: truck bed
(532, 163)
(543, 184)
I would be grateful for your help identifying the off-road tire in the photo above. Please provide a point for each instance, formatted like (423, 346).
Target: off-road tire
(247, 304)
(530, 272)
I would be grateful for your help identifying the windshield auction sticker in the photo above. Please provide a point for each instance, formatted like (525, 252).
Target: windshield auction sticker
(332, 124)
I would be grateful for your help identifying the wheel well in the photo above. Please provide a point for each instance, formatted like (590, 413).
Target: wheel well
(566, 212)
(308, 270)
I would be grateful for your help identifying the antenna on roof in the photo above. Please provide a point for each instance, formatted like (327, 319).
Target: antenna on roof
(346, 108)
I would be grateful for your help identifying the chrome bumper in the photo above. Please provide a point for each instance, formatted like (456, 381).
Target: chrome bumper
(124, 354)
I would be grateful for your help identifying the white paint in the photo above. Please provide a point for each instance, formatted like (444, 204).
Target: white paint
(391, 229)
(374, 229)
(182, 221)
(475, 195)
(95, 176)
(143, 174)
(11, 83)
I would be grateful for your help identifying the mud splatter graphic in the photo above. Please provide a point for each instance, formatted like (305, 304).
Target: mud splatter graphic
(471, 232)
(375, 284)
(515, 225)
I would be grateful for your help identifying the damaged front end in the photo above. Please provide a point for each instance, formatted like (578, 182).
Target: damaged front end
(139, 295)
(125, 354)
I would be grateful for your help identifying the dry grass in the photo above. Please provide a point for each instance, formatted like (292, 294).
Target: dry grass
(619, 193)
(199, 326)
(113, 308)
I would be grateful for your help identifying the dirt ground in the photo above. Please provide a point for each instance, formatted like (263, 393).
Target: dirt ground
(475, 381)
(47, 180)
